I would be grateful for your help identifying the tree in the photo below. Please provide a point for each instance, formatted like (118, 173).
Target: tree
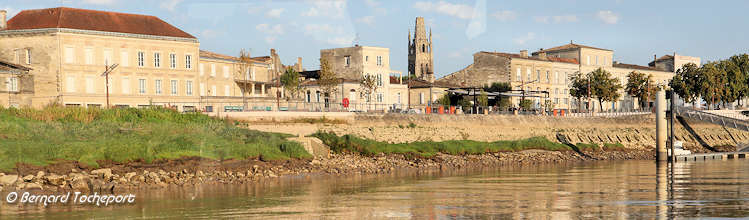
(549, 105)
(328, 80)
(579, 87)
(742, 62)
(711, 82)
(244, 66)
(290, 82)
(444, 100)
(526, 104)
(685, 82)
(503, 102)
(640, 86)
(735, 79)
(604, 87)
(483, 99)
(368, 83)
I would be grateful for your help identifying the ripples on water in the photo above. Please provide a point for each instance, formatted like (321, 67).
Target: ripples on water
(609, 190)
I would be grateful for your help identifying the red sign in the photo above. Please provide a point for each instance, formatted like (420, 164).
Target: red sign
(345, 102)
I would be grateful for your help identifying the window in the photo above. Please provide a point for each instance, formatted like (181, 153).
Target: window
(213, 69)
(124, 58)
(556, 77)
(399, 98)
(13, 84)
(69, 54)
(226, 71)
(141, 58)
(604, 61)
(227, 90)
(16, 56)
(125, 85)
(596, 60)
(174, 87)
(70, 87)
(519, 75)
(89, 84)
(157, 60)
(366, 58)
(379, 97)
(421, 98)
(379, 80)
(547, 77)
(347, 60)
(188, 87)
(538, 76)
(172, 60)
(379, 60)
(202, 89)
(89, 54)
(28, 56)
(587, 60)
(142, 86)
(528, 74)
(556, 101)
(556, 91)
(108, 57)
(188, 62)
(252, 74)
(157, 85)
(565, 78)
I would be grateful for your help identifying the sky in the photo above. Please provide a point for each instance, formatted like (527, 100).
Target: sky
(635, 30)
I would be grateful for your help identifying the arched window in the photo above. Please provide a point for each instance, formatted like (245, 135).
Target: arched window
(423, 48)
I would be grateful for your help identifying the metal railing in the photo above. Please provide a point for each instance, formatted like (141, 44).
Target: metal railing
(713, 118)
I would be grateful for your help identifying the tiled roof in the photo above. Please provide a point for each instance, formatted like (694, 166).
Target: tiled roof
(208, 54)
(662, 58)
(551, 59)
(567, 47)
(394, 80)
(8, 66)
(633, 66)
(84, 19)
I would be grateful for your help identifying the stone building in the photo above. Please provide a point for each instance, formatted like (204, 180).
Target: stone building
(420, 53)
(351, 64)
(17, 85)
(545, 75)
(158, 64)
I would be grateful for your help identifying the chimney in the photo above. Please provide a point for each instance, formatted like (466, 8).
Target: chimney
(3, 20)
(524, 53)
(299, 64)
(542, 55)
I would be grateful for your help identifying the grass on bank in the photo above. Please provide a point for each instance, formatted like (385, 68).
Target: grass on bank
(40, 137)
(353, 144)
(350, 143)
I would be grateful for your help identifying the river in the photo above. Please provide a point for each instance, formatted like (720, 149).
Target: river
(609, 190)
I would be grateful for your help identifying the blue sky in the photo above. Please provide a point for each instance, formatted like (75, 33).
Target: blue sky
(635, 30)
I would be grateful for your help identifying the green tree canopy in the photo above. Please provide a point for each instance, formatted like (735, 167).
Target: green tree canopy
(685, 82)
(483, 99)
(604, 87)
(290, 81)
(641, 86)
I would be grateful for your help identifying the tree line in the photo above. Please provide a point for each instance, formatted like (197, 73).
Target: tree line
(718, 82)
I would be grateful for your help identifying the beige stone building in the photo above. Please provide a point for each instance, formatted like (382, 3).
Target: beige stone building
(69, 49)
(16, 85)
(545, 74)
(351, 64)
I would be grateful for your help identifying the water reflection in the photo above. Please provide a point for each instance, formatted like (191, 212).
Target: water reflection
(610, 190)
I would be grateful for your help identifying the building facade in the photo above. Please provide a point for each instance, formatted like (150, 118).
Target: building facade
(17, 87)
(351, 64)
(69, 50)
(420, 52)
(545, 74)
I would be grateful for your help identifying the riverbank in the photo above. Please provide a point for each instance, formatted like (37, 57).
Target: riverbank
(122, 177)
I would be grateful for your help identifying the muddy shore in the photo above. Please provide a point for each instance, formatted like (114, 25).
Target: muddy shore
(123, 177)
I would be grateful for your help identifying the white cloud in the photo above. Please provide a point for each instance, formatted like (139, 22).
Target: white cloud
(461, 11)
(524, 39)
(274, 13)
(505, 15)
(270, 39)
(329, 8)
(608, 17)
(209, 33)
(477, 25)
(99, 2)
(556, 19)
(325, 33)
(270, 29)
(366, 20)
(372, 3)
(169, 4)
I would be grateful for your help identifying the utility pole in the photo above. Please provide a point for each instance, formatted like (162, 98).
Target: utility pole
(590, 108)
(107, 70)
